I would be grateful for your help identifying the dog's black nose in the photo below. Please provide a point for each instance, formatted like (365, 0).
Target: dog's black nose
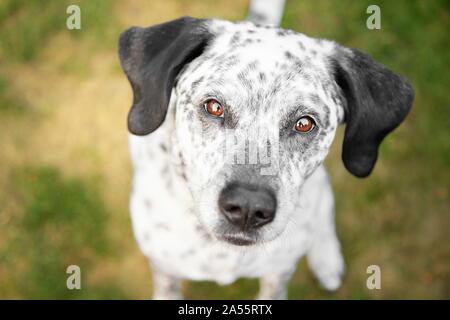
(246, 206)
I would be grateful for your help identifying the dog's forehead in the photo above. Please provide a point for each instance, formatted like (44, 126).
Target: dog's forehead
(272, 46)
(244, 61)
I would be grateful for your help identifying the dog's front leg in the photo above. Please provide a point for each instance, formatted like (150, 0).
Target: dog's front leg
(165, 287)
(325, 257)
(274, 286)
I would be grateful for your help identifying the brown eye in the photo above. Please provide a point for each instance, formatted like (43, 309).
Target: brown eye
(214, 108)
(305, 124)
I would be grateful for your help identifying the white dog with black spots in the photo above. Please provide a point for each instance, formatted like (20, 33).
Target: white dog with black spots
(230, 125)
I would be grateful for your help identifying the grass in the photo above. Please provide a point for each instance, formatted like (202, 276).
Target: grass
(65, 173)
(26, 26)
(9, 102)
(61, 222)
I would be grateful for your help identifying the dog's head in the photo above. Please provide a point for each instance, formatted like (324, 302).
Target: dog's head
(256, 111)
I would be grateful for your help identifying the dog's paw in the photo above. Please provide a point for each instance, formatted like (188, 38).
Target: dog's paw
(326, 262)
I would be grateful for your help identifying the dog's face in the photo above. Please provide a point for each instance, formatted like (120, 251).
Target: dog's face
(256, 111)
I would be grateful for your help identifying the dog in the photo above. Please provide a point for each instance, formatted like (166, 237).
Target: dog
(207, 93)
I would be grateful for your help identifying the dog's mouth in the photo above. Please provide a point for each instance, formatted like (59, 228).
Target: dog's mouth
(237, 240)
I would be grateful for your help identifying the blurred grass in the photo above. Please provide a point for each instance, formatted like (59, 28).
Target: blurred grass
(10, 103)
(26, 25)
(65, 175)
(62, 222)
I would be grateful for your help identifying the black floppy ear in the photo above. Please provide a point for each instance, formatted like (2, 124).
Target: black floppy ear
(377, 101)
(152, 58)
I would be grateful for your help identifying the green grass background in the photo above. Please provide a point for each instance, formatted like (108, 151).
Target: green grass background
(65, 173)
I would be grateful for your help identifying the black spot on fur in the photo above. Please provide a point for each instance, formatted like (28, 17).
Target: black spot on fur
(300, 44)
(225, 62)
(242, 77)
(182, 168)
(314, 98)
(262, 77)
(235, 39)
(196, 83)
(288, 55)
(252, 65)
(307, 77)
(298, 66)
(202, 232)
(275, 89)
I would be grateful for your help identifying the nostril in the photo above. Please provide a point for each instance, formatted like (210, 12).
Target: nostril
(260, 215)
(232, 208)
